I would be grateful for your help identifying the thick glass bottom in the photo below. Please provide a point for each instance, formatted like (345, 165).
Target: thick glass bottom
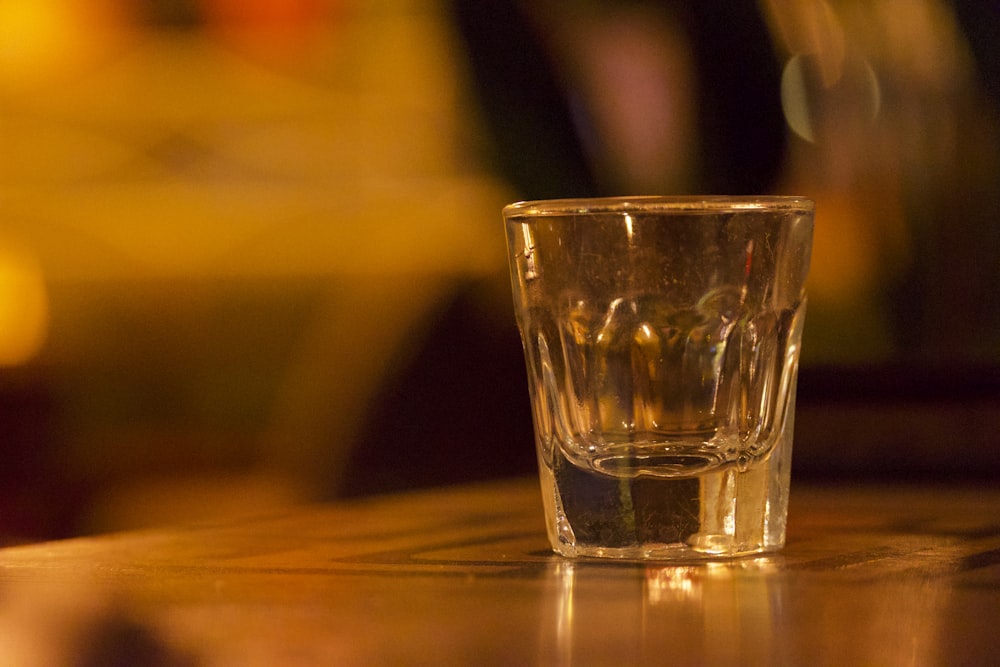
(724, 512)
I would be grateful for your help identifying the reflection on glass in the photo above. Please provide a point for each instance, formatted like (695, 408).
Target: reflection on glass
(707, 613)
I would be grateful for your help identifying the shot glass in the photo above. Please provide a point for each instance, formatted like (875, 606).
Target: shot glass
(661, 337)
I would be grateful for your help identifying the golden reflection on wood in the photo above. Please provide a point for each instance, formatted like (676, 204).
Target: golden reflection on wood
(882, 576)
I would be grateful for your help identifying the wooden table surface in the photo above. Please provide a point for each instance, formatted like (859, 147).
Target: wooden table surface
(895, 575)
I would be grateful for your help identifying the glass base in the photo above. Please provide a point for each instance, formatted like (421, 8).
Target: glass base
(725, 512)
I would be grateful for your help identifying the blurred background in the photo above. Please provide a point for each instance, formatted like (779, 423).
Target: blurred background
(251, 251)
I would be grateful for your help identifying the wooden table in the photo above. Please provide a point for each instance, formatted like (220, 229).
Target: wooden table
(463, 576)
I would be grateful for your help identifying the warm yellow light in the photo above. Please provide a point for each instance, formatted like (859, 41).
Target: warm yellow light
(42, 38)
(34, 34)
(24, 307)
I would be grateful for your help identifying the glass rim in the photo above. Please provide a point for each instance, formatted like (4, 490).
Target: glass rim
(658, 203)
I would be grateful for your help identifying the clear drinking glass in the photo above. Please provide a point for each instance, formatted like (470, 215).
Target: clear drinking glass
(661, 336)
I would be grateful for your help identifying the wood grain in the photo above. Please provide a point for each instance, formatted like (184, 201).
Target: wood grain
(890, 575)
